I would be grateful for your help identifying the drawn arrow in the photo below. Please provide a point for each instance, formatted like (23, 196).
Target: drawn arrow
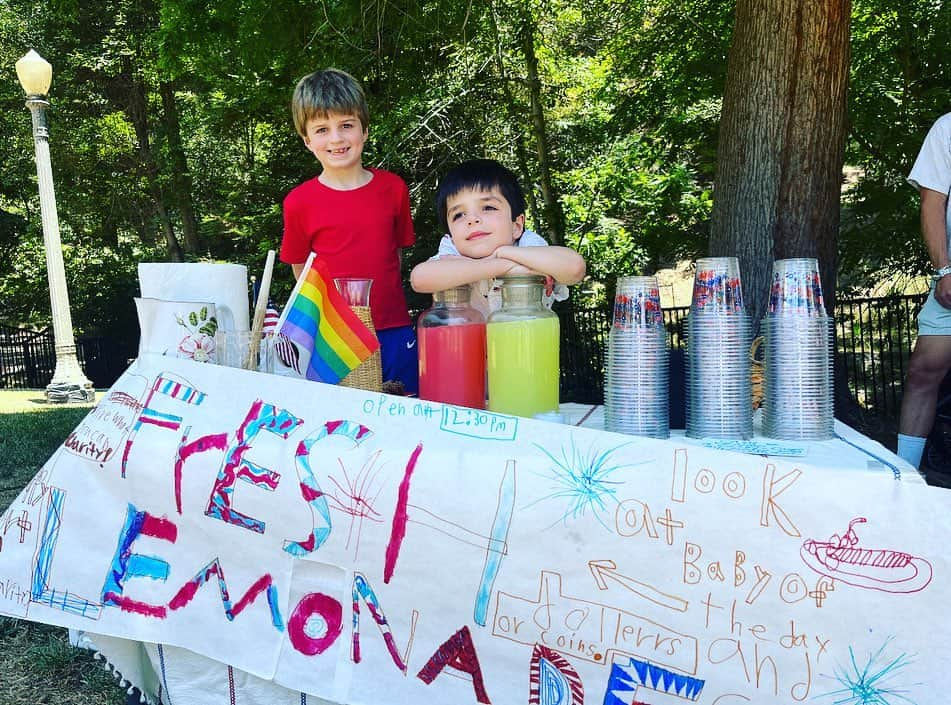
(608, 569)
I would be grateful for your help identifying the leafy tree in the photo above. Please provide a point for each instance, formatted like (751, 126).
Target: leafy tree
(170, 128)
(900, 84)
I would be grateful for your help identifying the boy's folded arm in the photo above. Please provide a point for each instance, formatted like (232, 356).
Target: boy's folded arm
(448, 272)
(562, 263)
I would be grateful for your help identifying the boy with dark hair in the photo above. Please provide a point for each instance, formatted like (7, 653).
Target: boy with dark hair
(482, 206)
(355, 219)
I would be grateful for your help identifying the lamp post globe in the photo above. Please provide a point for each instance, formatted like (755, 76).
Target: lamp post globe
(69, 383)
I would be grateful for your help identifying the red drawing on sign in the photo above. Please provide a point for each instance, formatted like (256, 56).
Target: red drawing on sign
(842, 559)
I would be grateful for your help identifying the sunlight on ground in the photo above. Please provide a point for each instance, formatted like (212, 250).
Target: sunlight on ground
(13, 401)
(900, 284)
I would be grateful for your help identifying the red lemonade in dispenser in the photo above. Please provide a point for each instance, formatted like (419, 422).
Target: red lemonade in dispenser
(452, 364)
(451, 338)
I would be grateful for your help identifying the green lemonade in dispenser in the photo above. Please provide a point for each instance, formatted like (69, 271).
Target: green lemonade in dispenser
(523, 350)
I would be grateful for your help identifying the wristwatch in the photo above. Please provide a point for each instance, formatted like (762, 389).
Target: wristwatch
(942, 271)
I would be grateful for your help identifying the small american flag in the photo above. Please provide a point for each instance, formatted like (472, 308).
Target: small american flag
(271, 317)
(285, 350)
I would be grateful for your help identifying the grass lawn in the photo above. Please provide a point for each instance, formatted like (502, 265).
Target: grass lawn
(37, 664)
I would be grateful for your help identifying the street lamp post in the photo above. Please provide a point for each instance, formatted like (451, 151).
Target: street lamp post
(69, 383)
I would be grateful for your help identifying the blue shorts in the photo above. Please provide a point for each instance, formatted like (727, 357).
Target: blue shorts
(399, 357)
(934, 319)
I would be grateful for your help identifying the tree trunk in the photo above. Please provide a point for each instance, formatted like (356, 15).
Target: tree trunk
(182, 178)
(553, 215)
(782, 137)
(138, 114)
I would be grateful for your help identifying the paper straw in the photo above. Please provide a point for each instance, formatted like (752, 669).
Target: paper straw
(260, 308)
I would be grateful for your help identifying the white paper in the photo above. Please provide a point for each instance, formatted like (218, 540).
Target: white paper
(226, 285)
(481, 557)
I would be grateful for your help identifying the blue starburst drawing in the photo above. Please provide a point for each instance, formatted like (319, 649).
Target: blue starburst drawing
(583, 480)
(869, 685)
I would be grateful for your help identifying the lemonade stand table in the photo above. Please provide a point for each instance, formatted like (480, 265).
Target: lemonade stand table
(291, 543)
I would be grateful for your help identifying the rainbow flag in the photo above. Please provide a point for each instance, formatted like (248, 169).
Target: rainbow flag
(331, 339)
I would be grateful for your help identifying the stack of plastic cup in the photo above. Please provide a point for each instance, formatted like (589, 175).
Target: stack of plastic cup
(719, 335)
(798, 400)
(636, 387)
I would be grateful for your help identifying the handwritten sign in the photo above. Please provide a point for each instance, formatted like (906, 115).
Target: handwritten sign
(757, 447)
(365, 548)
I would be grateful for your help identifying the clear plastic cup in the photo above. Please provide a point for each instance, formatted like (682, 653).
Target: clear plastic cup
(637, 303)
(636, 389)
(717, 287)
(796, 289)
(235, 350)
(718, 381)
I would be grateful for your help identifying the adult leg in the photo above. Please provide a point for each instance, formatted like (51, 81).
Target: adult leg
(929, 363)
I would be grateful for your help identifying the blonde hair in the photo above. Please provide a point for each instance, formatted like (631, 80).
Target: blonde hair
(324, 92)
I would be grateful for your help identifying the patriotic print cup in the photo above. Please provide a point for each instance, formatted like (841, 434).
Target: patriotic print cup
(719, 335)
(796, 289)
(636, 380)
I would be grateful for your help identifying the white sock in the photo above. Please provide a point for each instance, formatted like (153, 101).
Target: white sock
(910, 448)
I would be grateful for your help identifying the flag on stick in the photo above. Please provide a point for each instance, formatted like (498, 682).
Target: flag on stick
(331, 339)
(284, 350)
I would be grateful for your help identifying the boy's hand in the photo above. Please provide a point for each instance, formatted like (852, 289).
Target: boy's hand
(500, 251)
(521, 269)
(516, 268)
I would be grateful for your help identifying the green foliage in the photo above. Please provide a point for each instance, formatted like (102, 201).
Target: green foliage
(165, 107)
(102, 280)
(900, 84)
(633, 218)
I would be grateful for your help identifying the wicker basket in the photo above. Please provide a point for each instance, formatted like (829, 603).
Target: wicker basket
(757, 365)
(369, 375)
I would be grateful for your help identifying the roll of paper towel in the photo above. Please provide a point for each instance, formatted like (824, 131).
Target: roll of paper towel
(225, 285)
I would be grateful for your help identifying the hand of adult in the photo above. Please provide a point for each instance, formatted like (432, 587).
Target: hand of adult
(942, 291)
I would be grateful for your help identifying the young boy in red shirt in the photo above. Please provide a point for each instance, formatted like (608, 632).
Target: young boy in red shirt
(355, 219)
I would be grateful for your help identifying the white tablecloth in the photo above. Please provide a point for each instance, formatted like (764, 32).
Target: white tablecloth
(849, 450)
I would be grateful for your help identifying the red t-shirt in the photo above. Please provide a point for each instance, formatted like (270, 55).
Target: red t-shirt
(356, 233)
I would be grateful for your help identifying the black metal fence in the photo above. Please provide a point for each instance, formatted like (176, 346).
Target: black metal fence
(874, 337)
(28, 358)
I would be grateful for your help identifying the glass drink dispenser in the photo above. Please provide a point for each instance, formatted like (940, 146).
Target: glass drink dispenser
(523, 350)
(451, 336)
